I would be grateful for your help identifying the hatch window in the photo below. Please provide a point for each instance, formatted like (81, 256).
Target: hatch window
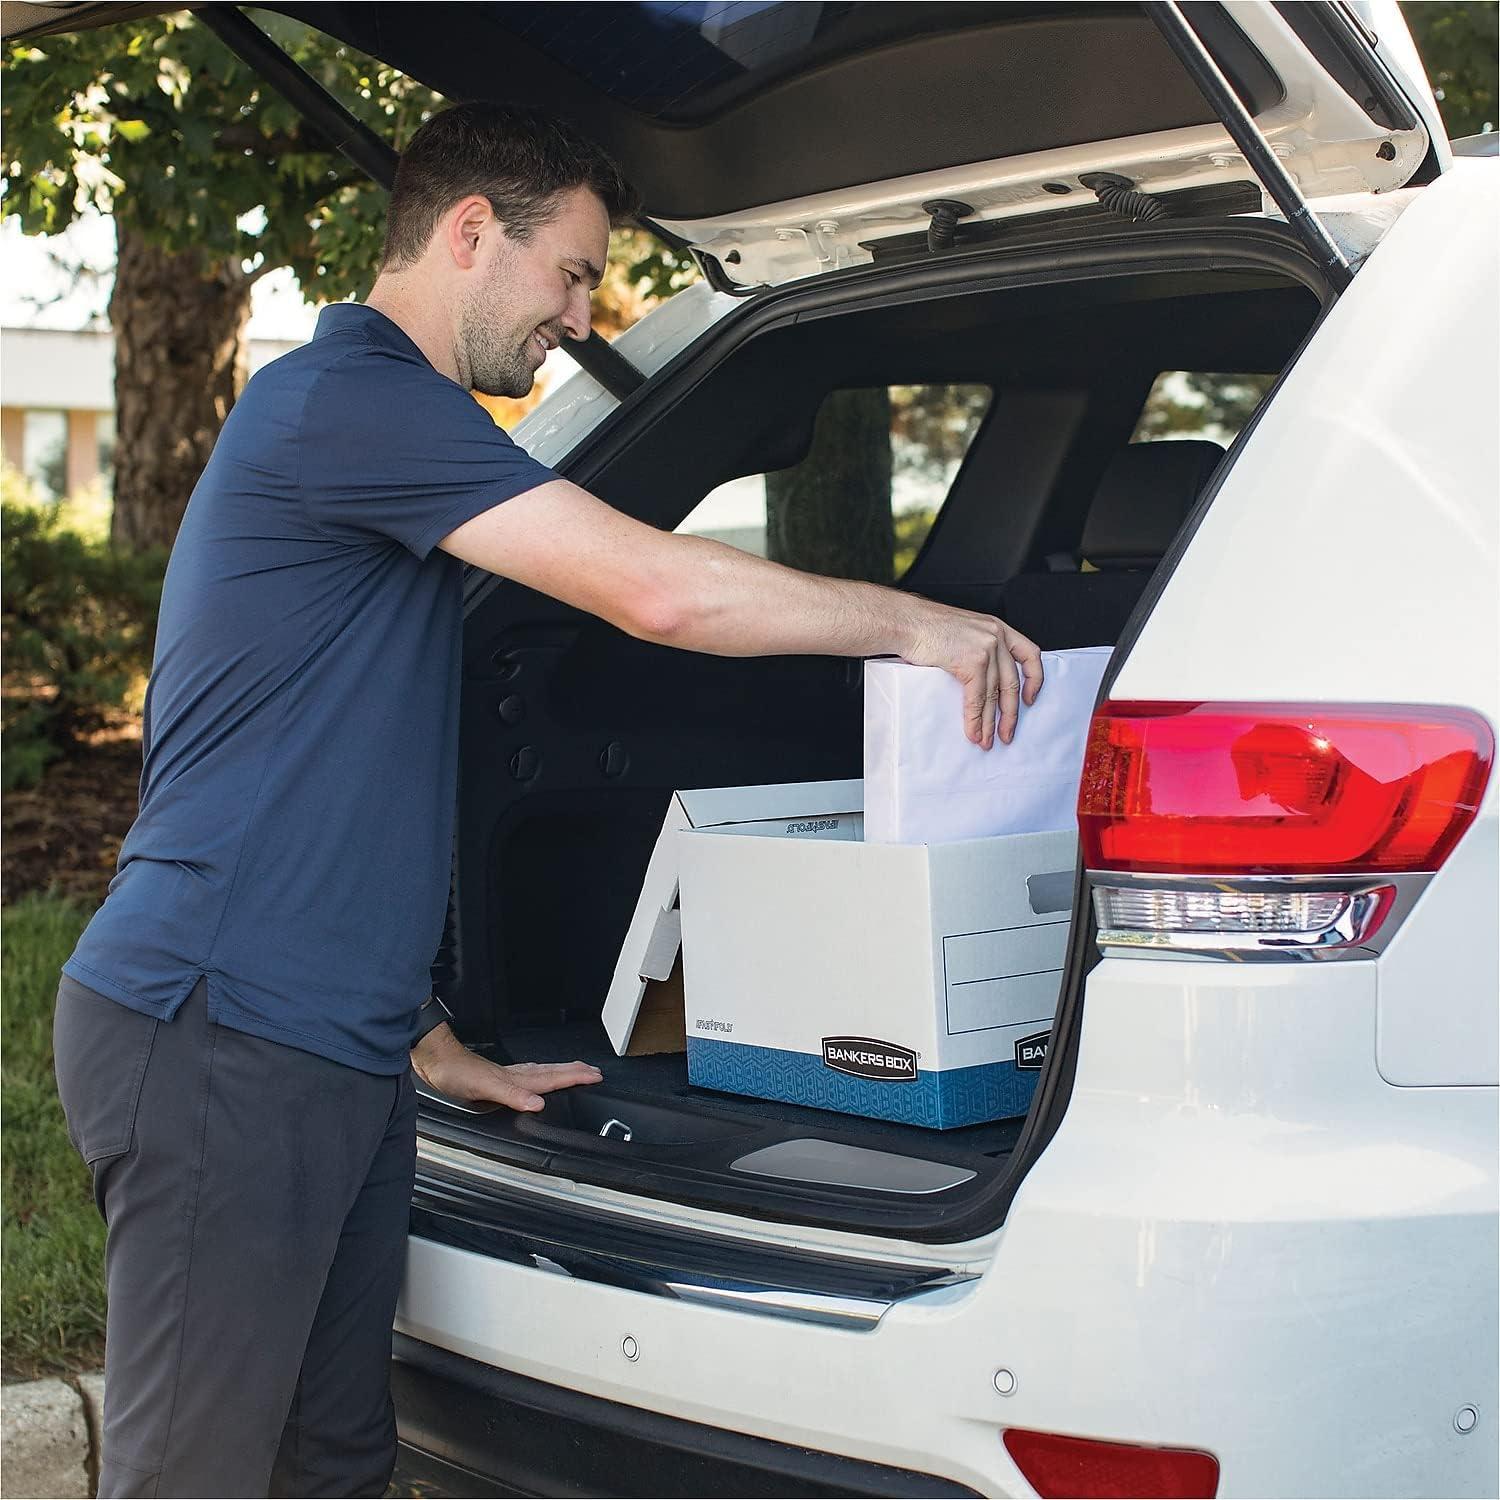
(881, 465)
(679, 60)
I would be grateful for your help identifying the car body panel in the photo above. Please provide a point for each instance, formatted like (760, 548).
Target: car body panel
(1354, 543)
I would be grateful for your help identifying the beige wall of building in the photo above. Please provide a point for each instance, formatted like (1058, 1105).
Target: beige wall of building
(12, 434)
(64, 380)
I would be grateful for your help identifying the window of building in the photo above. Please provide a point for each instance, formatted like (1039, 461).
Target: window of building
(45, 449)
(862, 502)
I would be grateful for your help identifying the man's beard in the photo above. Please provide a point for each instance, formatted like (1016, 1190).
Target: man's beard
(500, 358)
(497, 368)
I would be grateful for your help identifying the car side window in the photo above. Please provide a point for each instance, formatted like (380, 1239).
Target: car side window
(1199, 404)
(861, 503)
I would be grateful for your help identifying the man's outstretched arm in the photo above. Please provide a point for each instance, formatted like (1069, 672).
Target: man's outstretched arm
(702, 595)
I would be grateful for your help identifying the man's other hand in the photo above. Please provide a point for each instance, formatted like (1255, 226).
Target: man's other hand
(445, 1064)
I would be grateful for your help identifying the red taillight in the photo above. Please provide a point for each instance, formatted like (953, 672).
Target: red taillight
(1083, 1468)
(1282, 789)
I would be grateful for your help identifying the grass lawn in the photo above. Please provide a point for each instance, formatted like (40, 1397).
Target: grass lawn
(52, 1295)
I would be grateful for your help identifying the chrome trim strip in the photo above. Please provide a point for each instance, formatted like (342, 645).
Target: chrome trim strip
(1347, 937)
(860, 1314)
(803, 1307)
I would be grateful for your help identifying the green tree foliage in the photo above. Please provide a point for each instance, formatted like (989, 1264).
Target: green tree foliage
(213, 180)
(1199, 404)
(156, 122)
(1459, 44)
(912, 527)
(933, 425)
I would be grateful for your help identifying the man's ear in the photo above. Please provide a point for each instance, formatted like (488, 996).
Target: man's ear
(466, 222)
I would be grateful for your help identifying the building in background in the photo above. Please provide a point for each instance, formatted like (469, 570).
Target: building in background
(57, 403)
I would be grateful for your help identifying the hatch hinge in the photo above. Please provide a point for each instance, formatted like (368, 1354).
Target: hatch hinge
(1240, 123)
(374, 157)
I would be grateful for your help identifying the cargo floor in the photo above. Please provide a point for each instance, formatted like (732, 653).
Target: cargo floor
(662, 1079)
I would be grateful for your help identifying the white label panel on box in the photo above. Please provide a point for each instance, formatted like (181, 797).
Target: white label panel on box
(990, 1004)
(1003, 978)
(968, 956)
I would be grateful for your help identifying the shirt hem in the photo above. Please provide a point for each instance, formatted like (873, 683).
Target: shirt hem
(268, 1031)
(102, 984)
(222, 1010)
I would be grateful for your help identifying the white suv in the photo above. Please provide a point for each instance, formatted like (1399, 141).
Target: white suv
(1245, 1241)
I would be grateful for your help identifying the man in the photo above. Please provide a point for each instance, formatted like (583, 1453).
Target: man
(237, 1028)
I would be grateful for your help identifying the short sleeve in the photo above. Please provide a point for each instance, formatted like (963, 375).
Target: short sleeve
(390, 448)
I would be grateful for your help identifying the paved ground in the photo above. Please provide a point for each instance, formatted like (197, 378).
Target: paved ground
(49, 1433)
(47, 1430)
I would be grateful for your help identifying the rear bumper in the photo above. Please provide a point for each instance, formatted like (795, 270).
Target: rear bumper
(470, 1429)
(1241, 1240)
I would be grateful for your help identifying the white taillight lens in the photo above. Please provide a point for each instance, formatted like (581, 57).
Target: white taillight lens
(1265, 920)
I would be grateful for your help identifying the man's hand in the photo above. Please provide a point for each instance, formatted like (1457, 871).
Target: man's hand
(445, 1064)
(983, 653)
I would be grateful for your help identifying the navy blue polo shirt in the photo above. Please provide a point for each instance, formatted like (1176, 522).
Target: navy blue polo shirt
(301, 723)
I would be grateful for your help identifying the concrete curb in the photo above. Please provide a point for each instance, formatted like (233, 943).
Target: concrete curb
(48, 1430)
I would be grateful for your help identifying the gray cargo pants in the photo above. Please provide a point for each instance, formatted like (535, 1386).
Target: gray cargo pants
(256, 1198)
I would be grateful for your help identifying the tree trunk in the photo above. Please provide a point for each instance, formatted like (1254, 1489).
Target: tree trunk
(831, 514)
(180, 360)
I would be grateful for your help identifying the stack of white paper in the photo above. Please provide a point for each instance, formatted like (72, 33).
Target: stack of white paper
(925, 783)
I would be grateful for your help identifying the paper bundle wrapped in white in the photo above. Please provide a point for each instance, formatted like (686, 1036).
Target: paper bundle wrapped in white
(925, 783)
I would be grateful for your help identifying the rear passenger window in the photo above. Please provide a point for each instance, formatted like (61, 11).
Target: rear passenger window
(860, 505)
(1199, 404)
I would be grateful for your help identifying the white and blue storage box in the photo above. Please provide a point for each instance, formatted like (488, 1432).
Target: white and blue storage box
(908, 982)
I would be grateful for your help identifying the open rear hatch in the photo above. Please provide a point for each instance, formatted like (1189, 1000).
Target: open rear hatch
(782, 139)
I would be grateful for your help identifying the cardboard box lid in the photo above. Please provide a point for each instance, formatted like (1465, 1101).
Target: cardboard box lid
(650, 955)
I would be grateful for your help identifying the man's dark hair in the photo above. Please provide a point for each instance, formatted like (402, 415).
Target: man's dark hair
(520, 159)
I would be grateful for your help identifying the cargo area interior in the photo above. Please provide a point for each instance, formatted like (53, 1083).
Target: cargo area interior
(574, 735)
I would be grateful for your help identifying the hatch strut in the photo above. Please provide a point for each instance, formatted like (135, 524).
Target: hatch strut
(375, 157)
(1240, 123)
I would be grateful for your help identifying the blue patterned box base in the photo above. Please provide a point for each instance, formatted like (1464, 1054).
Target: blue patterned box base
(941, 1101)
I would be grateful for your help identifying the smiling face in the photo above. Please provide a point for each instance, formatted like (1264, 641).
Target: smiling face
(521, 298)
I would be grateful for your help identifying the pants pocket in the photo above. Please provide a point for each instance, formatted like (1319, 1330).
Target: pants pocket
(100, 1050)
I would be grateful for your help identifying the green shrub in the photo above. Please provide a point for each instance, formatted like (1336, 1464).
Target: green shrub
(77, 622)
